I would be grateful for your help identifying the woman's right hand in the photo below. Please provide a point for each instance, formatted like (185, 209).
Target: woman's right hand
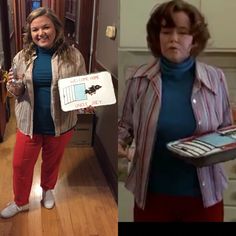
(123, 152)
(15, 86)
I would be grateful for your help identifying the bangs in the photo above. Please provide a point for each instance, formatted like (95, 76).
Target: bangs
(167, 20)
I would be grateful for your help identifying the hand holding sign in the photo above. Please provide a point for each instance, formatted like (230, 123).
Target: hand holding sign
(87, 90)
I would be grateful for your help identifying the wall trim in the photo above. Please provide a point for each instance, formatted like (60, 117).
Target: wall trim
(106, 166)
(103, 159)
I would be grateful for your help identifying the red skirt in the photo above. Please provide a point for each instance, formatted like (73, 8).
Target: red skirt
(165, 208)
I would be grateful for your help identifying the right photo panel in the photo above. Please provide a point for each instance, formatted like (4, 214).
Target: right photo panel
(176, 111)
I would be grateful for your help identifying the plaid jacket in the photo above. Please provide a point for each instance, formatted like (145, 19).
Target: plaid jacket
(24, 104)
(138, 120)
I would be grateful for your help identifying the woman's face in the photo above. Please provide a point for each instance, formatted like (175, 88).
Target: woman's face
(176, 43)
(43, 32)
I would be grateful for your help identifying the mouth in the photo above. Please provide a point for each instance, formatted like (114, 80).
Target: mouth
(173, 48)
(43, 37)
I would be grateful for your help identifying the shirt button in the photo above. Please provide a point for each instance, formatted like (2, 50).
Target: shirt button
(203, 184)
(194, 101)
(199, 122)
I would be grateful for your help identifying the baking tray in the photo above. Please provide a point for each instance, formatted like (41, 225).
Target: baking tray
(206, 149)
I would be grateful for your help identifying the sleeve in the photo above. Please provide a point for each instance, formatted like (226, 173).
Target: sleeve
(18, 61)
(125, 121)
(80, 62)
(226, 108)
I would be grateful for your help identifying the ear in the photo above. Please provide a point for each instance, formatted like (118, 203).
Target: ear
(194, 47)
(194, 44)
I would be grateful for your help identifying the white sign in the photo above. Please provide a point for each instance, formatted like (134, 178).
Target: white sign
(87, 90)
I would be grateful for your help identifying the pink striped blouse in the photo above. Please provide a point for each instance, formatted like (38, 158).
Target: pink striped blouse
(139, 115)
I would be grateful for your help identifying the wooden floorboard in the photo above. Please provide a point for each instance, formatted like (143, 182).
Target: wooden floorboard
(84, 202)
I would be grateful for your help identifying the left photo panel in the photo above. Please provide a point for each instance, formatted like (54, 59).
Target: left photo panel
(58, 117)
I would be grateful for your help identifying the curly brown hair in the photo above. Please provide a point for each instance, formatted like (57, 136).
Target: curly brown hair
(198, 26)
(61, 47)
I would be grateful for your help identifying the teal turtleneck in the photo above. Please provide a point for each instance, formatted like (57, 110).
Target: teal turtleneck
(42, 78)
(170, 175)
(176, 70)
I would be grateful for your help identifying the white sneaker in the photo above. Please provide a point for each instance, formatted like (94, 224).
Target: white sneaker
(48, 199)
(12, 209)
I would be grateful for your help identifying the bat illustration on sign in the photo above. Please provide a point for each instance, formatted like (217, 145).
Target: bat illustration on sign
(92, 90)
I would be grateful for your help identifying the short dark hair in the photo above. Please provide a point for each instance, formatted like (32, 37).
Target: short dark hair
(198, 26)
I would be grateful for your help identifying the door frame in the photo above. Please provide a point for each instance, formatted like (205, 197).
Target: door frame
(5, 34)
(86, 30)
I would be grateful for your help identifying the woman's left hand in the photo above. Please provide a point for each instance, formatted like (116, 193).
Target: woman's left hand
(89, 110)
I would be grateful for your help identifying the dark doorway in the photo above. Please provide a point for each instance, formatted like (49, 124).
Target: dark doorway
(32, 5)
(5, 34)
(80, 27)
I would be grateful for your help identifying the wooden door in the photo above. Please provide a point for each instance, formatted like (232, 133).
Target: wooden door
(6, 63)
(80, 27)
(5, 33)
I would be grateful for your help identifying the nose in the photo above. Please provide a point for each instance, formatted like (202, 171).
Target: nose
(174, 36)
(41, 32)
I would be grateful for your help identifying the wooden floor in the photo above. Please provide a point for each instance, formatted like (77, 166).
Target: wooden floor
(84, 202)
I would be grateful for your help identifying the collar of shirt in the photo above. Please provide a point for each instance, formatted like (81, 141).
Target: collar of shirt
(152, 72)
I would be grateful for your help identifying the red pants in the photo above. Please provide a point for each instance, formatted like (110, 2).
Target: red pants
(165, 208)
(25, 156)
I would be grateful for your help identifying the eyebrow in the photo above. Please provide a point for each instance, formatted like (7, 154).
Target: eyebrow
(34, 27)
(179, 27)
(182, 27)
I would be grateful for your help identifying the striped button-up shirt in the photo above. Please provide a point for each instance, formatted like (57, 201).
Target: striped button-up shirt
(139, 117)
(24, 105)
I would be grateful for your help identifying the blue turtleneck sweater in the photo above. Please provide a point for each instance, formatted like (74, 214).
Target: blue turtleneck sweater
(170, 175)
(42, 78)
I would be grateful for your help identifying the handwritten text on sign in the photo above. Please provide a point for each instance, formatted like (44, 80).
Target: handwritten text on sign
(88, 90)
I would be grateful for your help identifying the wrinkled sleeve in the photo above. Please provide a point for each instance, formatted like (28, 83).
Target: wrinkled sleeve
(80, 62)
(125, 121)
(227, 112)
(18, 60)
